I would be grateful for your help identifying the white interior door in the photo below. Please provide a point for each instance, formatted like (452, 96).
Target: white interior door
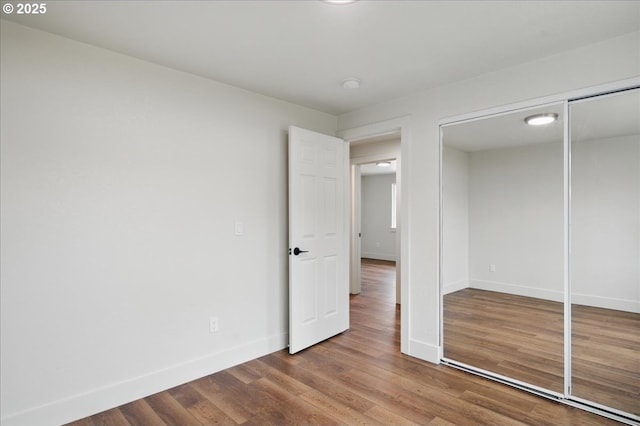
(318, 238)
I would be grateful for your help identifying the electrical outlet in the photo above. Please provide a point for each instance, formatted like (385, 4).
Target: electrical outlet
(492, 268)
(213, 324)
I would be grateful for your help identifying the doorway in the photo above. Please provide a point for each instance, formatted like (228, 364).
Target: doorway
(375, 244)
(363, 149)
(375, 165)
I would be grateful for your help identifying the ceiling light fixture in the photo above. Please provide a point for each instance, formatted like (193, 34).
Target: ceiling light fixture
(541, 119)
(383, 164)
(351, 83)
(339, 2)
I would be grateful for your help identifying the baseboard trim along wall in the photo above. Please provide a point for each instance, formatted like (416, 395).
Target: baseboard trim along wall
(518, 289)
(625, 305)
(606, 302)
(454, 286)
(82, 405)
(424, 351)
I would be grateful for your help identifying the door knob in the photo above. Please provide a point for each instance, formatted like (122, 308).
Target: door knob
(297, 251)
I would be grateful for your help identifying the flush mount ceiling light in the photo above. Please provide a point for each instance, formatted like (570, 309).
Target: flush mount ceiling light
(541, 119)
(339, 1)
(383, 164)
(351, 83)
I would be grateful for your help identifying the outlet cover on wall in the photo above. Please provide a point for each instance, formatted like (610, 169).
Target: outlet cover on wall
(492, 267)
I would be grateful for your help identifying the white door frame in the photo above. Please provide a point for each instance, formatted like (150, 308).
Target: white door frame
(356, 218)
(355, 275)
(395, 125)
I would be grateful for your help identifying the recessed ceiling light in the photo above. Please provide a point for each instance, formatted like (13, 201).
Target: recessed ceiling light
(383, 164)
(351, 83)
(541, 119)
(339, 1)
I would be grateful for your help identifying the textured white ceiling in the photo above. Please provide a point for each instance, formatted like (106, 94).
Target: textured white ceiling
(300, 51)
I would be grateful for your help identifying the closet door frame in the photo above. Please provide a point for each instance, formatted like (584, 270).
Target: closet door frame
(570, 398)
(567, 99)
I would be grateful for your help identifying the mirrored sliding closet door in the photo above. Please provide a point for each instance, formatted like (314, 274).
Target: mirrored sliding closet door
(502, 272)
(605, 250)
(540, 250)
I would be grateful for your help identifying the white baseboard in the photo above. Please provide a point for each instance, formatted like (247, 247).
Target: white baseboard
(557, 296)
(520, 290)
(424, 351)
(606, 302)
(455, 286)
(379, 256)
(113, 395)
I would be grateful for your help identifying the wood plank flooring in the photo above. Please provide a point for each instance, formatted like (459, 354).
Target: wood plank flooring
(516, 336)
(357, 378)
(522, 337)
(606, 357)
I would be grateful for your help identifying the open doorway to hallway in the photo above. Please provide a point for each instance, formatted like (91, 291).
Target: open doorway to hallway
(375, 260)
(378, 215)
(371, 143)
(375, 205)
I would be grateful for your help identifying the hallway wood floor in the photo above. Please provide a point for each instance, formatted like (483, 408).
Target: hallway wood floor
(358, 377)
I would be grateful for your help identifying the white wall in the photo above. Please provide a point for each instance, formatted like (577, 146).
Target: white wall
(516, 215)
(604, 62)
(455, 219)
(378, 239)
(363, 152)
(121, 184)
(605, 223)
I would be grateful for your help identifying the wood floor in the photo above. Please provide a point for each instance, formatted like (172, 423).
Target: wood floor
(522, 337)
(506, 334)
(606, 357)
(357, 378)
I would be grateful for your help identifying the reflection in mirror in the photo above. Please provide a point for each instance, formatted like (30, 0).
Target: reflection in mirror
(502, 246)
(605, 250)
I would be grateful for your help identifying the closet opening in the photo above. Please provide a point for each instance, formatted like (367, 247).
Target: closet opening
(540, 249)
